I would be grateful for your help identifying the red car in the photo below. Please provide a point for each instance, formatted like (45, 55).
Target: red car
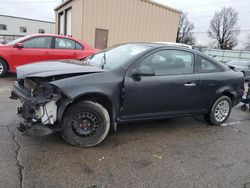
(40, 47)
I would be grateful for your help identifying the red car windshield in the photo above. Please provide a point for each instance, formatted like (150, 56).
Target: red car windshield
(17, 40)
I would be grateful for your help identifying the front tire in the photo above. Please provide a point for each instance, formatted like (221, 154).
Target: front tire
(3, 68)
(220, 111)
(85, 124)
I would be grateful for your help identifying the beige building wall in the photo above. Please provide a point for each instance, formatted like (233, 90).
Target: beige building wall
(125, 20)
(77, 17)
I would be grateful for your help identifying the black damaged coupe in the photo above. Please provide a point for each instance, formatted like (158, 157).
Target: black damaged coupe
(129, 82)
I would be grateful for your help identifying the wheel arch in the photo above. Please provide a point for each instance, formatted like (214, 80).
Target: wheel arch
(223, 92)
(3, 59)
(229, 94)
(100, 98)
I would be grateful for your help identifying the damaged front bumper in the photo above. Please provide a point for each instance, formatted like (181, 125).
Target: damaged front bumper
(39, 110)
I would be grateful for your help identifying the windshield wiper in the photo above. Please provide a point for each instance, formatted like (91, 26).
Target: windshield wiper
(91, 56)
(103, 63)
(87, 58)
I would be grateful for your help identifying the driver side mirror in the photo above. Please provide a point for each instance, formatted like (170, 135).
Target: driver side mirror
(143, 71)
(18, 45)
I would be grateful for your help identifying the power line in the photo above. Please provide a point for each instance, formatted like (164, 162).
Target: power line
(243, 30)
(215, 4)
(198, 12)
(212, 14)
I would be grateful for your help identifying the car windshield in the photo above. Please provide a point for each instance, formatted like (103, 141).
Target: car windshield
(239, 62)
(116, 56)
(17, 40)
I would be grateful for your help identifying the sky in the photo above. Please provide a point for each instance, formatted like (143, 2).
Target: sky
(199, 12)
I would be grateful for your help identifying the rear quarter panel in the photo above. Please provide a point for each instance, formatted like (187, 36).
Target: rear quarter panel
(213, 85)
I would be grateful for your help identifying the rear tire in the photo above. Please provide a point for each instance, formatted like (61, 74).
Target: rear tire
(220, 111)
(3, 68)
(85, 124)
(244, 107)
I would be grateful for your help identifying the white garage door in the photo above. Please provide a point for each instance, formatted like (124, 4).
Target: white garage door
(68, 22)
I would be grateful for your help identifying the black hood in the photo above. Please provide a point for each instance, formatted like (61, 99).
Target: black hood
(55, 68)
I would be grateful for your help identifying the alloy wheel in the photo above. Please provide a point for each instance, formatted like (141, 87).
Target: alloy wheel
(222, 110)
(1, 68)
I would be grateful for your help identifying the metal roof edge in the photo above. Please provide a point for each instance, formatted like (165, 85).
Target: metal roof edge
(149, 1)
(27, 19)
(62, 4)
(163, 6)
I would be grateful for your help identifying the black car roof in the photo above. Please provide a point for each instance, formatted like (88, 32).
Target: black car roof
(161, 45)
(152, 44)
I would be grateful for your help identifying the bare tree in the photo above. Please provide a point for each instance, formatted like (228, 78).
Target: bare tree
(184, 32)
(247, 47)
(224, 28)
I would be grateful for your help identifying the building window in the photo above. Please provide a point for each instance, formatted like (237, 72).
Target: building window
(41, 31)
(23, 29)
(3, 27)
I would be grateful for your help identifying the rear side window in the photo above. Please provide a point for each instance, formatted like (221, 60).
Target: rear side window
(206, 66)
(38, 42)
(62, 43)
(78, 46)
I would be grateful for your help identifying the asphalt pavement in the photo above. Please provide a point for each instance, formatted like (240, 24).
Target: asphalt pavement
(174, 153)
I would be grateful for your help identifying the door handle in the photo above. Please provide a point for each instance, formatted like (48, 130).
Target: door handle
(189, 84)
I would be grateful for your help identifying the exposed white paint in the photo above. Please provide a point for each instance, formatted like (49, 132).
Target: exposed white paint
(47, 113)
(69, 22)
(61, 20)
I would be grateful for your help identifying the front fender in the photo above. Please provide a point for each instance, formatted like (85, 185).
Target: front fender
(65, 102)
(104, 84)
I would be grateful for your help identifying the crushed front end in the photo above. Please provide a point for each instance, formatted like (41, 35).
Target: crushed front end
(39, 103)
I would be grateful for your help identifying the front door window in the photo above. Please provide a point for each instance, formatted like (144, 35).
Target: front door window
(38, 42)
(170, 62)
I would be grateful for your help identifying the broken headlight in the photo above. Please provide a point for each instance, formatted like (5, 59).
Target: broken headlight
(42, 91)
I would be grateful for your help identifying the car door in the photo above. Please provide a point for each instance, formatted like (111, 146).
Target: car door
(65, 49)
(34, 49)
(173, 90)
